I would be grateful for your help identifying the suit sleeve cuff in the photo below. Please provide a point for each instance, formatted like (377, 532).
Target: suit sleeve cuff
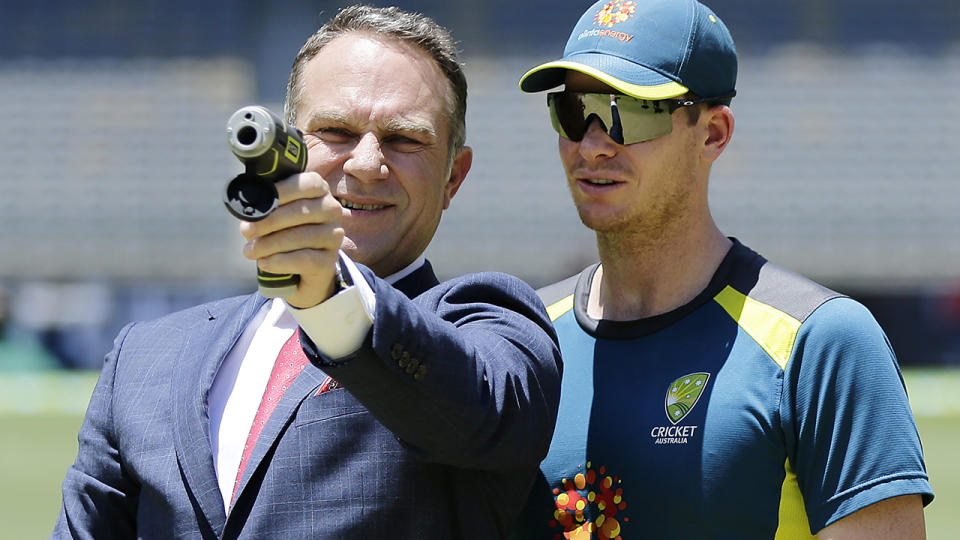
(339, 325)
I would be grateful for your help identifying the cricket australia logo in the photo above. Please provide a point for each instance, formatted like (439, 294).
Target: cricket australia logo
(682, 396)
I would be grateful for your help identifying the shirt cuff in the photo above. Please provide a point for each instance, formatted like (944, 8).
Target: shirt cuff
(339, 325)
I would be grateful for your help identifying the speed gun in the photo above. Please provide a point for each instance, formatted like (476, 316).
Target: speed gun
(270, 151)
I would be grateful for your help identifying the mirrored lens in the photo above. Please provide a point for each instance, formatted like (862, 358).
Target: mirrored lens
(625, 119)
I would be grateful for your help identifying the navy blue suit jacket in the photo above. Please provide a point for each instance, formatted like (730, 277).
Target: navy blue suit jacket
(447, 449)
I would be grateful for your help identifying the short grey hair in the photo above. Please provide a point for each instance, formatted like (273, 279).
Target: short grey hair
(391, 22)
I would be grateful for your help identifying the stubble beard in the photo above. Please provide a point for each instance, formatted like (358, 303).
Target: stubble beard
(652, 225)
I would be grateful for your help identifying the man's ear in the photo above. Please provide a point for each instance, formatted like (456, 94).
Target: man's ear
(719, 125)
(458, 173)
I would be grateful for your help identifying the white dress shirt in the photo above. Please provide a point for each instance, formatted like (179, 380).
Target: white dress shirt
(337, 326)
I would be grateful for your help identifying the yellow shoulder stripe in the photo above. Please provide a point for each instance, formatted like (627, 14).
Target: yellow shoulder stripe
(771, 328)
(793, 513)
(557, 309)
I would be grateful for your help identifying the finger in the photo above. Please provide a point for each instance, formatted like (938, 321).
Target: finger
(296, 213)
(306, 263)
(306, 185)
(304, 237)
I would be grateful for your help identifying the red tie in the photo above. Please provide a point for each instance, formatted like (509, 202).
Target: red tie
(290, 362)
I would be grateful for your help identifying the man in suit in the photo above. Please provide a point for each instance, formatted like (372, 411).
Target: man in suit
(424, 408)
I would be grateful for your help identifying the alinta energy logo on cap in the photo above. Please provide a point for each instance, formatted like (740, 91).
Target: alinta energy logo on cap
(611, 14)
(615, 12)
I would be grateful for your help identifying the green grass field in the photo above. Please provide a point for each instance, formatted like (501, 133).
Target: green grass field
(40, 416)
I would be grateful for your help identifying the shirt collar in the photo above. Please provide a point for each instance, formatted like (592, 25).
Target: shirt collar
(411, 268)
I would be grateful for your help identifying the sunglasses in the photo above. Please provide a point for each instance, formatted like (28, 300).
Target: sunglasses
(625, 119)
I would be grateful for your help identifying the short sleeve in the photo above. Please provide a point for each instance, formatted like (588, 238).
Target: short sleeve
(851, 437)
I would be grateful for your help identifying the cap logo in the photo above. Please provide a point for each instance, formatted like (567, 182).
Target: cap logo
(615, 11)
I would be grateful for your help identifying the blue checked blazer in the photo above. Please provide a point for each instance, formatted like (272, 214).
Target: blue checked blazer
(437, 430)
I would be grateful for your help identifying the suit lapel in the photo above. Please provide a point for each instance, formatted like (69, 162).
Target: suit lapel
(201, 355)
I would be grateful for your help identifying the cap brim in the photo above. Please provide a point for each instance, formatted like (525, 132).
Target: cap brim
(654, 85)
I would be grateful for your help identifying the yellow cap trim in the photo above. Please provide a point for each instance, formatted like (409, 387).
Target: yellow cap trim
(772, 329)
(658, 91)
(559, 308)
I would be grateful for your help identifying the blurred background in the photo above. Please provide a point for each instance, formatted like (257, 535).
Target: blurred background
(842, 167)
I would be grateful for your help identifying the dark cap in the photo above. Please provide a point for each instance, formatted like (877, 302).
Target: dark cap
(649, 49)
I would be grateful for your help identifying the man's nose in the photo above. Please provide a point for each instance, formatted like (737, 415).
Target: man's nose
(366, 161)
(596, 141)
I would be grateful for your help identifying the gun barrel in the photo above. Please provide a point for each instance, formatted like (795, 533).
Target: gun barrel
(252, 131)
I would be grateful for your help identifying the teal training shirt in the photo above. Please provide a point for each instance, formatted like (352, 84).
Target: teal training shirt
(768, 407)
